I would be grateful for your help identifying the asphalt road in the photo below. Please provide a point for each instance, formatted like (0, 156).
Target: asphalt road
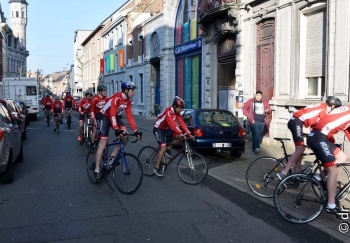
(52, 200)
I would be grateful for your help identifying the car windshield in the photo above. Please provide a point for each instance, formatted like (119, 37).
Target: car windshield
(217, 119)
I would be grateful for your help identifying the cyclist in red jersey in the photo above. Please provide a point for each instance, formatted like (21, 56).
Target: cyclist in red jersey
(98, 102)
(117, 103)
(321, 141)
(307, 117)
(167, 125)
(46, 104)
(57, 108)
(69, 103)
(83, 108)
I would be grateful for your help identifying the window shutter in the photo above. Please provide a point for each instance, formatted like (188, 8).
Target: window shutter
(316, 44)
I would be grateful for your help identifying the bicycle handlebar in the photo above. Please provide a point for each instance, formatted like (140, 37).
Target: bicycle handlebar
(127, 134)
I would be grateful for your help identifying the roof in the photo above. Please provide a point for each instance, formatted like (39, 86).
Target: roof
(18, 1)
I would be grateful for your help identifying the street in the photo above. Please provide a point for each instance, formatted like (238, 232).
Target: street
(52, 200)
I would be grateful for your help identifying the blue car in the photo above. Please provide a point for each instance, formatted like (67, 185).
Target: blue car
(215, 130)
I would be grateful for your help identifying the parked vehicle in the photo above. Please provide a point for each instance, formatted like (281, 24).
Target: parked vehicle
(40, 98)
(24, 111)
(11, 148)
(23, 89)
(17, 116)
(215, 130)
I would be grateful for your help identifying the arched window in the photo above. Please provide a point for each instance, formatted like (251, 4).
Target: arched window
(186, 22)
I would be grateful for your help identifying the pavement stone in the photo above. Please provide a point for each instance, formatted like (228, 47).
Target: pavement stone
(234, 174)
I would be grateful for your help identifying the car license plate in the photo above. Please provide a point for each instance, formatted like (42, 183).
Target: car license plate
(221, 145)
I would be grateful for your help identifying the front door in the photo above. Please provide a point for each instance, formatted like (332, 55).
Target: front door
(265, 58)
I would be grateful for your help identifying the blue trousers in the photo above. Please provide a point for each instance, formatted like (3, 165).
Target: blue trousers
(256, 128)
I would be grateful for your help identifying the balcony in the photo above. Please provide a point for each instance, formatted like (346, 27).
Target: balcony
(209, 10)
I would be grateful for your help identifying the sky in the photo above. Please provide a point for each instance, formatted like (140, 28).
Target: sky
(51, 25)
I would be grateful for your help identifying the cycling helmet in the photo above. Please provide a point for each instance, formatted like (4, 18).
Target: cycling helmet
(57, 98)
(87, 93)
(68, 93)
(128, 85)
(47, 96)
(101, 88)
(178, 102)
(332, 100)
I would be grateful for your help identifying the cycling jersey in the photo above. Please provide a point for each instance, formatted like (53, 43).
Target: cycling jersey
(68, 101)
(85, 105)
(309, 115)
(57, 107)
(98, 102)
(334, 122)
(117, 103)
(170, 119)
(47, 102)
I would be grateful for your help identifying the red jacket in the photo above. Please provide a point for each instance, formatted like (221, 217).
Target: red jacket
(98, 102)
(57, 107)
(116, 104)
(248, 110)
(170, 119)
(84, 105)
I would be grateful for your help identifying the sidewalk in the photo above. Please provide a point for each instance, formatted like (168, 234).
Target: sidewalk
(234, 174)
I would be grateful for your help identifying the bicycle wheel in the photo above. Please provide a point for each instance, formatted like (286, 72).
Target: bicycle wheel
(261, 176)
(299, 198)
(87, 139)
(127, 174)
(147, 157)
(90, 167)
(69, 120)
(58, 129)
(343, 179)
(48, 119)
(192, 172)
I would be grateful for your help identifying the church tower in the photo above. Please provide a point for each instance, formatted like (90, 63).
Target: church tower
(18, 13)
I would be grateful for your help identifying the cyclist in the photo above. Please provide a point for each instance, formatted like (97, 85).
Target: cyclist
(46, 104)
(118, 102)
(98, 102)
(69, 103)
(167, 125)
(57, 108)
(307, 117)
(84, 109)
(321, 141)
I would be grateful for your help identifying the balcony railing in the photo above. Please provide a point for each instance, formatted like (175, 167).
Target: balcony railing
(205, 5)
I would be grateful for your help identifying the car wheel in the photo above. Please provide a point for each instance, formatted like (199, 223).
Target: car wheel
(20, 155)
(235, 154)
(7, 176)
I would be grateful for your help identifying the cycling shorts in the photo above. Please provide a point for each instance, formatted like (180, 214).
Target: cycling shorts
(106, 124)
(163, 136)
(322, 147)
(295, 125)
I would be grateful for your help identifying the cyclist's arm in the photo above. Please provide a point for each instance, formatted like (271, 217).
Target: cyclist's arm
(113, 113)
(183, 125)
(80, 105)
(130, 117)
(92, 109)
(347, 133)
(172, 124)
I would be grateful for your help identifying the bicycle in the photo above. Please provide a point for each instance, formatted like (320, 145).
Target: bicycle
(69, 117)
(126, 169)
(300, 198)
(192, 167)
(48, 117)
(261, 175)
(57, 123)
(86, 132)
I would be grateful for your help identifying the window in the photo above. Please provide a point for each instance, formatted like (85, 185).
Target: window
(31, 90)
(4, 115)
(22, 14)
(17, 14)
(141, 88)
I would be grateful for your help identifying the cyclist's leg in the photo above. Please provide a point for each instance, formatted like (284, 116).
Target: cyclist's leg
(121, 126)
(81, 123)
(330, 155)
(105, 124)
(295, 125)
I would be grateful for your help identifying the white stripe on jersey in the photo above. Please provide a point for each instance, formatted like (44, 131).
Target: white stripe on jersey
(309, 115)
